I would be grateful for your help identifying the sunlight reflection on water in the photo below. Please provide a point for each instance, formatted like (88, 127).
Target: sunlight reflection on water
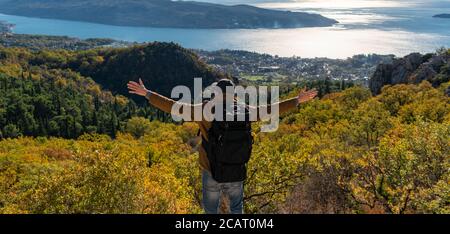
(389, 29)
(339, 4)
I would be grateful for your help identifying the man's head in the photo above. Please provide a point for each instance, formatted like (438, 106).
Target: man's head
(226, 86)
(224, 83)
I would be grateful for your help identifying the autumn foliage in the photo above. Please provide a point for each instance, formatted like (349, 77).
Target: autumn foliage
(348, 152)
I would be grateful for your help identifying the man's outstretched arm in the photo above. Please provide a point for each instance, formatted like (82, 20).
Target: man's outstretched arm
(286, 105)
(157, 100)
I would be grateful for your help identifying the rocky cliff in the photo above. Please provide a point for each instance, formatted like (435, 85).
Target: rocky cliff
(412, 68)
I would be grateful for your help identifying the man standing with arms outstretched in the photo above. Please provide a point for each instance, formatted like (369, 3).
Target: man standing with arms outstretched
(218, 176)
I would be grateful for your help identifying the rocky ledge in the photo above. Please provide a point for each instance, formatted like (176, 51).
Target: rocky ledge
(412, 69)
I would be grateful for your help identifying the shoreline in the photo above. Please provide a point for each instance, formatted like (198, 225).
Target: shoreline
(282, 42)
(121, 43)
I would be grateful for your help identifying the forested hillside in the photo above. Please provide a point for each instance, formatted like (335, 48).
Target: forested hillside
(67, 93)
(113, 67)
(72, 145)
(40, 42)
(161, 65)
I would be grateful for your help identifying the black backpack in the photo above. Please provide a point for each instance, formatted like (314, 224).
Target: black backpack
(228, 148)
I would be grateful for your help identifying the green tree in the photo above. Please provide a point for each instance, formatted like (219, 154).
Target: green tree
(138, 126)
(11, 131)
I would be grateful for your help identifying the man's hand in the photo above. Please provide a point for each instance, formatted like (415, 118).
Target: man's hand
(306, 95)
(137, 88)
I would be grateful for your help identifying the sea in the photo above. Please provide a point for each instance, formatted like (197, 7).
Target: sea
(365, 27)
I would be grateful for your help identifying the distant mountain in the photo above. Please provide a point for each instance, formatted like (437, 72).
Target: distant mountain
(442, 16)
(163, 13)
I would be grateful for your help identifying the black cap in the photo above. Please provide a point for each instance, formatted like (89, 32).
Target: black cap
(224, 83)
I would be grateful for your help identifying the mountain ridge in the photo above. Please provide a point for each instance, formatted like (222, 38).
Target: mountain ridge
(164, 13)
(445, 16)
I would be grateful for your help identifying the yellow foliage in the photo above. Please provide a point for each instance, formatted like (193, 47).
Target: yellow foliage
(347, 153)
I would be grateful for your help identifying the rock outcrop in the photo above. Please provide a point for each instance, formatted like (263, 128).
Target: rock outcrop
(413, 68)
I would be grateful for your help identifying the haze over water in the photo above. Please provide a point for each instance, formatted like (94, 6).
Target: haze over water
(366, 26)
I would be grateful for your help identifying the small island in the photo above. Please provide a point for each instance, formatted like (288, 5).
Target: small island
(164, 13)
(445, 16)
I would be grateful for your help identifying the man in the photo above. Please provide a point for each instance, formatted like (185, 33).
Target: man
(211, 188)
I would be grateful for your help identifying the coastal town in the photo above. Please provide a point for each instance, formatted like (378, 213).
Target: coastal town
(6, 28)
(265, 68)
